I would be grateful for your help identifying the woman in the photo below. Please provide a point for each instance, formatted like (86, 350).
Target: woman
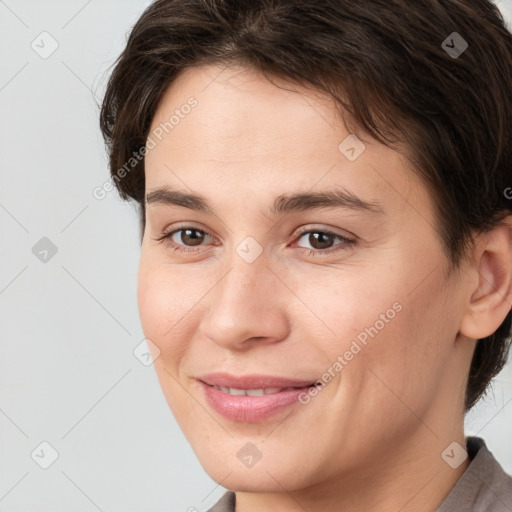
(325, 271)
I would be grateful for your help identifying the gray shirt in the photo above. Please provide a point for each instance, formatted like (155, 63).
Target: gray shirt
(483, 487)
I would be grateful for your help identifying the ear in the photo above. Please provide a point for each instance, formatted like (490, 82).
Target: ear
(491, 298)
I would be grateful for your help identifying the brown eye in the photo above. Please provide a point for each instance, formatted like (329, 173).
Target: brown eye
(184, 239)
(320, 240)
(191, 237)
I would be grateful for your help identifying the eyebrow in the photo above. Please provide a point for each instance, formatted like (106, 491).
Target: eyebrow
(284, 203)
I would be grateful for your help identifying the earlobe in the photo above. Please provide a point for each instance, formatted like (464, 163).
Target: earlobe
(491, 299)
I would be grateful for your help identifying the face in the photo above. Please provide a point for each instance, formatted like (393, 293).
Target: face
(249, 282)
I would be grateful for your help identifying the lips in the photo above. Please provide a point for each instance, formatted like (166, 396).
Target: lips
(251, 398)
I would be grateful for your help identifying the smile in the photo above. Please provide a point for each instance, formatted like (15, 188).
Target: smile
(251, 399)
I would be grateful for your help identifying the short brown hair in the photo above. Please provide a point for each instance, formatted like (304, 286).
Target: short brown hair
(385, 62)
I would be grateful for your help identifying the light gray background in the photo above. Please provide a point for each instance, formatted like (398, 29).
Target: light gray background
(68, 375)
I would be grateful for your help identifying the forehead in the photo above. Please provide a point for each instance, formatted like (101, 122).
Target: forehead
(239, 111)
(246, 136)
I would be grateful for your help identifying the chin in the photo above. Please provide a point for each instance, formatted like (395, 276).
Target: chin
(247, 480)
(264, 476)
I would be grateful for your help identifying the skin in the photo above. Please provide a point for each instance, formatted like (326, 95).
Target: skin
(372, 439)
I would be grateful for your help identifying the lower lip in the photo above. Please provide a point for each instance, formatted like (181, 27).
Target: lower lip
(250, 409)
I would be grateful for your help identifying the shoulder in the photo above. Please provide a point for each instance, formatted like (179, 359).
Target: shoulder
(484, 486)
(225, 504)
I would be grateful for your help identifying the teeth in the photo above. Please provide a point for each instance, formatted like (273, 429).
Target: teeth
(236, 392)
(272, 391)
(249, 392)
(254, 392)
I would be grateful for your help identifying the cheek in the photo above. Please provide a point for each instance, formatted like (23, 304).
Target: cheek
(151, 302)
(398, 333)
(405, 358)
(161, 303)
(345, 306)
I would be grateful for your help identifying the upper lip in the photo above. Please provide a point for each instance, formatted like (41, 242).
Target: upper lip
(252, 381)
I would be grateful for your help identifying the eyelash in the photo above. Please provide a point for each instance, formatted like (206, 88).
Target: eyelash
(346, 242)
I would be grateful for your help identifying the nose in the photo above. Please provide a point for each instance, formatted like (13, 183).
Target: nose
(247, 306)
